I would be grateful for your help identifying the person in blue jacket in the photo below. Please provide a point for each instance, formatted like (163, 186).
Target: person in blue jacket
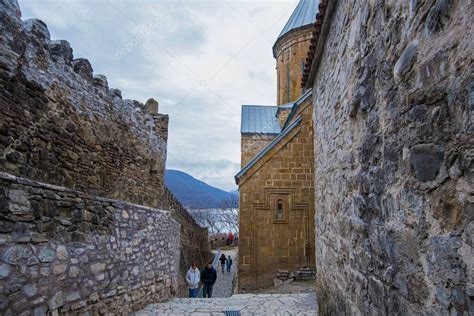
(229, 264)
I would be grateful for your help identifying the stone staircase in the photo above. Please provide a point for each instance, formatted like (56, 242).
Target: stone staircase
(239, 304)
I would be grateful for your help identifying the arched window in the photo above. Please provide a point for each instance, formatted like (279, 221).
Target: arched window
(280, 210)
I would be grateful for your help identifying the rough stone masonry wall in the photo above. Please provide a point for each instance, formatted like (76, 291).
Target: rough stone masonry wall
(195, 246)
(394, 109)
(63, 125)
(65, 251)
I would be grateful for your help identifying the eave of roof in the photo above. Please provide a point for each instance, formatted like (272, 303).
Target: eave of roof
(321, 29)
(296, 105)
(261, 154)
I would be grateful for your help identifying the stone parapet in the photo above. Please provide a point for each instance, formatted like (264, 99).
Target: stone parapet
(65, 251)
(62, 124)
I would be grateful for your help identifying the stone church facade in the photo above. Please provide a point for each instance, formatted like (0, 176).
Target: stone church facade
(389, 88)
(276, 181)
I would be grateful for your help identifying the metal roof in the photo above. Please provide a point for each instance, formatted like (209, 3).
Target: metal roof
(275, 141)
(259, 119)
(304, 14)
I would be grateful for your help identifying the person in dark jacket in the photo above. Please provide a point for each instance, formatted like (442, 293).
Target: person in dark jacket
(208, 278)
(229, 264)
(223, 259)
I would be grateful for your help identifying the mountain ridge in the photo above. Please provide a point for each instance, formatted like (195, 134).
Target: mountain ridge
(194, 193)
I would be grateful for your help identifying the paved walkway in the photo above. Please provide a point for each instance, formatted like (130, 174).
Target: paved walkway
(223, 286)
(246, 304)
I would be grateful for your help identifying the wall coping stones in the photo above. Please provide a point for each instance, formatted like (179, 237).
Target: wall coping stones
(119, 203)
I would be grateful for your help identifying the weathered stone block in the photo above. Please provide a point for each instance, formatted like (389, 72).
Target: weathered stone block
(83, 67)
(101, 81)
(46, 254)
(56, 301)
(437, 16)
(151, 106)
(40, 311)
(97, 268)
(73, 296)
(58, 267)
(406, 61)
(426, 160)
(4, 270)
(61, 49)
(403, 248)
(37, 29)
(14, 254)
(30, 290)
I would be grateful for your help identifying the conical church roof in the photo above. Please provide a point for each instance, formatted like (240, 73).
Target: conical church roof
(304, 14)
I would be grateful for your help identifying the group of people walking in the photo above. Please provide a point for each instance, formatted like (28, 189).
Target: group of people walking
(207, 277)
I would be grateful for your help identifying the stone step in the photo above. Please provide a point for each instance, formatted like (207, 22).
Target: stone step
(246, 304)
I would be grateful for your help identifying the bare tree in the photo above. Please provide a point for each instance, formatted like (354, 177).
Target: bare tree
(222, 219)
(205, 218)
(228, 214)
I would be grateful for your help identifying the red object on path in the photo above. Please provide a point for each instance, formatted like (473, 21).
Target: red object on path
(231, 236)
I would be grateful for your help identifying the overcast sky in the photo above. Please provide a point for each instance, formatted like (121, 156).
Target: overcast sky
(200, 59)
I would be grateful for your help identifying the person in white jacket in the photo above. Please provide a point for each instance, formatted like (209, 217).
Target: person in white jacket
(192, 278)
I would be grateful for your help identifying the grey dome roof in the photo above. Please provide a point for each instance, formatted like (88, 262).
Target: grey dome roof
(304, 14)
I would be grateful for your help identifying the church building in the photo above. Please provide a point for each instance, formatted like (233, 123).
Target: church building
(276, 182)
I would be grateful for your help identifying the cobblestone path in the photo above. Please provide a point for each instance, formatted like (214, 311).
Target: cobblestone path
(246, 304)
(223, 286)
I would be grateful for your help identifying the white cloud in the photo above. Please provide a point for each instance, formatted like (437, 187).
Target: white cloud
(200, 59)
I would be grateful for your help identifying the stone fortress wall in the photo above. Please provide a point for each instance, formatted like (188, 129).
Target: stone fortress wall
(394, 148)
(70, 252)
(195, 245)
(63, 126)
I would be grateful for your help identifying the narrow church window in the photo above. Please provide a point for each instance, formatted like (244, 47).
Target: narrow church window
(278, 85)
(302, 71)
(279, 212)
(288, 79)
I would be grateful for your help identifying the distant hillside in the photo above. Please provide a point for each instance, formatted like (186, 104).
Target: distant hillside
(193, 193)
